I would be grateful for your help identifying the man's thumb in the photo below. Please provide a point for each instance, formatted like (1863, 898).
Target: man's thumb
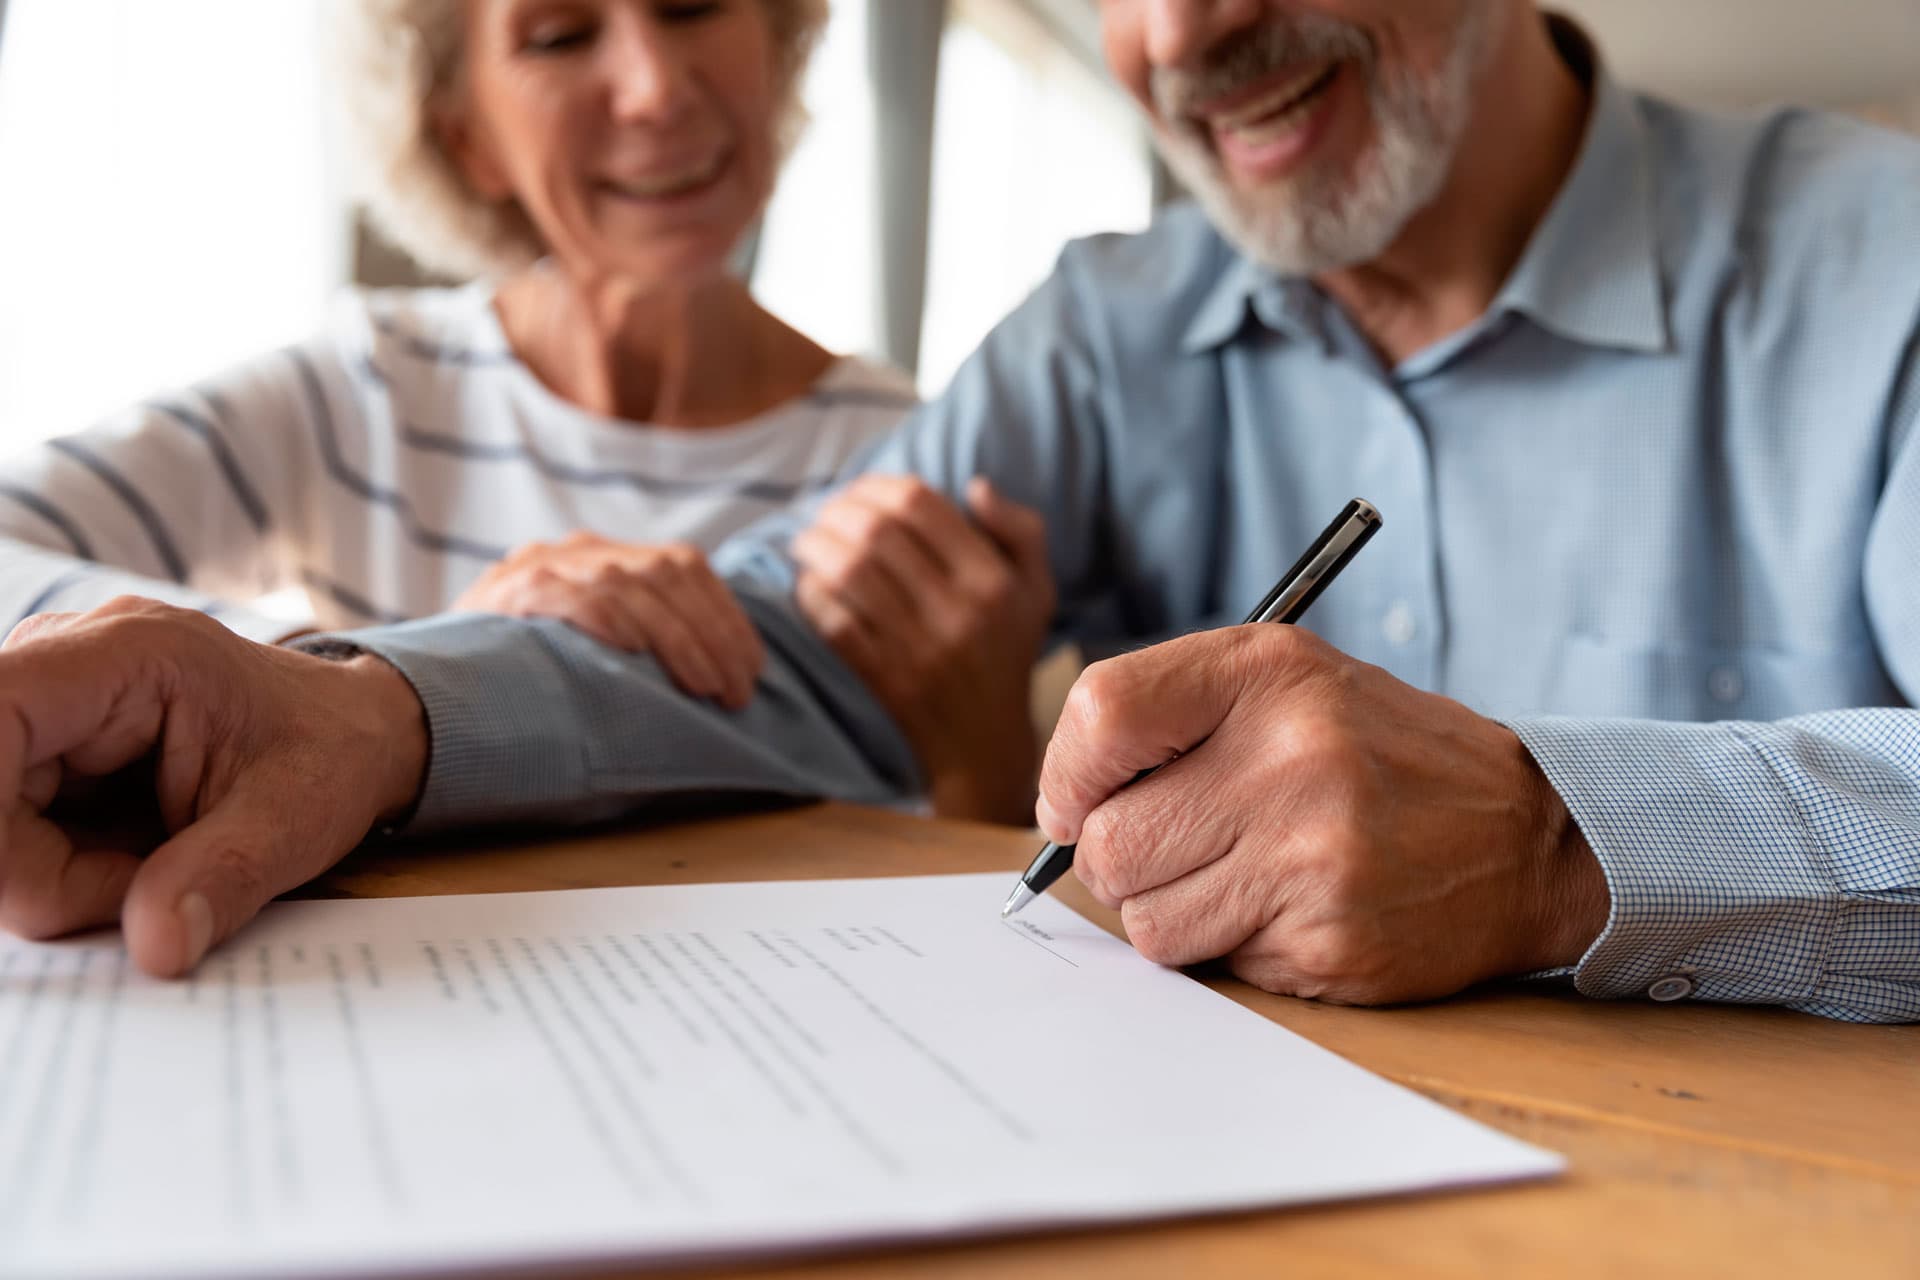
(1134, 712)
(200, 887)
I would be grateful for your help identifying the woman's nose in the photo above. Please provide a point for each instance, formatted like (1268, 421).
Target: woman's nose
(646, 74)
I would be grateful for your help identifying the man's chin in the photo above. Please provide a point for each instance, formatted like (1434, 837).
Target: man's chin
(1266, 223)
(1300, 226)
(1283, 237)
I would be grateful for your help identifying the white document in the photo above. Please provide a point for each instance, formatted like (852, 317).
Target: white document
(656, 1074)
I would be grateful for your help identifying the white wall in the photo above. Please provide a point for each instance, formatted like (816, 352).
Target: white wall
(163, 207)
(1838, 53)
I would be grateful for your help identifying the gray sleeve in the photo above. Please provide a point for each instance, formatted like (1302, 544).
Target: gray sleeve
(536, 722)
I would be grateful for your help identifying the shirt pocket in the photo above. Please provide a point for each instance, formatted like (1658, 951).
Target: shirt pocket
(1597, 677)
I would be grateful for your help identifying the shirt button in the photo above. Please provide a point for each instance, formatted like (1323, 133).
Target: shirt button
(1400, 626)
(1673, 987)
(1725, 684)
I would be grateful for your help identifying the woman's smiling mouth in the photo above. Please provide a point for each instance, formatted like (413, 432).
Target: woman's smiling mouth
(668, 184)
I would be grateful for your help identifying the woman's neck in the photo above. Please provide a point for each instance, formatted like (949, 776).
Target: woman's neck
(705, 355)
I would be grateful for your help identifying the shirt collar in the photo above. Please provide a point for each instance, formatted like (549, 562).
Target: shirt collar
(1284, 304)
(1590, 273)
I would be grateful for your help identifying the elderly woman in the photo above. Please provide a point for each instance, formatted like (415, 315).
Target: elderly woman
(593, 165)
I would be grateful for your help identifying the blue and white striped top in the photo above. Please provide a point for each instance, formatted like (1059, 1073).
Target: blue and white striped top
(382, 466)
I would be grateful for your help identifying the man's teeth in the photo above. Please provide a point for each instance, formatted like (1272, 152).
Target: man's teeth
(670, 184)
(1273, 115)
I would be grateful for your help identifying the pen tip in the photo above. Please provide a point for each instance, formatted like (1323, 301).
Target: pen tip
(1019, 898)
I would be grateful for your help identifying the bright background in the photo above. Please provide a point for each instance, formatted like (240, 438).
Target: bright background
(167, 204)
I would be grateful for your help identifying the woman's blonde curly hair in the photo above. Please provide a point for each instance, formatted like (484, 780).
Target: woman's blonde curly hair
(394, 57)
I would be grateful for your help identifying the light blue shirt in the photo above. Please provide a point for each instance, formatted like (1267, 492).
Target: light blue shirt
(1658, 509)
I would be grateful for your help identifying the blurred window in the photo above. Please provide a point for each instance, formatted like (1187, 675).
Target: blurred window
(166, 210)
(1031, 148)
(816, 266)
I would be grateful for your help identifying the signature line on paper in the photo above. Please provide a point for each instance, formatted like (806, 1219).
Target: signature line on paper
(1033, 935)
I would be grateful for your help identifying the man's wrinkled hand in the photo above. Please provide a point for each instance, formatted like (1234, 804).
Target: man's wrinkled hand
(257, 769)
(1329, 830)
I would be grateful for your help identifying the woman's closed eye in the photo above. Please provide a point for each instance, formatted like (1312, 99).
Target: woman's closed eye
(558, 36)
(566, 34)
(686, 11)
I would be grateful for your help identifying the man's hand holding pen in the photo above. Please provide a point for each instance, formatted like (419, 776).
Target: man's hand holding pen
(1329, 830)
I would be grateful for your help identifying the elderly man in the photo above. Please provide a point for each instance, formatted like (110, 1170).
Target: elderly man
(1636, 388)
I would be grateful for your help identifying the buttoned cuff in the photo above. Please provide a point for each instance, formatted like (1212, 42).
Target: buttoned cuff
(1714, 896)
(505, 738)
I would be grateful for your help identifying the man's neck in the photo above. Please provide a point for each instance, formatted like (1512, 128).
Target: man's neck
(1451, 259)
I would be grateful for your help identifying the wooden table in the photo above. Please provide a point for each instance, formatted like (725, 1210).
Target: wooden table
(1703, 1140)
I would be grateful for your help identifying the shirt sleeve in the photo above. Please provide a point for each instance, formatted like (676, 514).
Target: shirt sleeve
(532, 721)
(1761, 863)
(185, 498)
(1770, 863)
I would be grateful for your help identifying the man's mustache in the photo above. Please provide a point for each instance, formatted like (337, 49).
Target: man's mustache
(1249, 57)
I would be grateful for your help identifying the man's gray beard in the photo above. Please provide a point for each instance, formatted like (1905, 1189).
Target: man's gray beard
(1320, 220)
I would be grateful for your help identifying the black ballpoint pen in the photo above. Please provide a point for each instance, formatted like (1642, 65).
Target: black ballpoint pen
(1300, 587)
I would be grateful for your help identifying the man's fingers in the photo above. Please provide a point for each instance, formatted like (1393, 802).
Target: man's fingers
(1163, 828)
(1207, 913)
(200, 887)
(1143, 709)
(1123, 715)
(84, 697)
(49, 888)
(37, 626)
(40, 784)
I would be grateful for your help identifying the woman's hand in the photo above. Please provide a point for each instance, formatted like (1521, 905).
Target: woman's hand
(662, 600)
(944, 618)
